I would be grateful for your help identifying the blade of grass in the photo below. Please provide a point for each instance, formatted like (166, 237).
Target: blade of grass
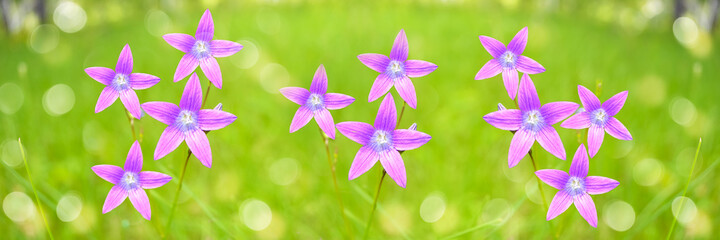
(682, 200)
(37, 198)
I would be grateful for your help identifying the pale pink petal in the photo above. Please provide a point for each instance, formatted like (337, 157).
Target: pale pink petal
(406, 89)
(588, 99)
(365, 158)
(595, 139)
(301, 118)
(586, 207)
(493, 46)
(555, 112)
(125, 61)
(296, 94)
(191, 98)
(180, 41)
(419, 68)
(599, 185)
(359, 132)
(211, 69)
(580, 163)
(188, 64)
(616, 129)
(115, 197)
(110, 173)
(393, 164)
(550, 141)
(510, 80)
(320, 82)
(386, 118)
(198, 143)
(510, 119)
(164, 112)
(553, 177)
(405, 139)
(169, 140)
(374, 61)
(580, 120)
(527, 65)
(335, 101)
(325, 122)
(206, 27)
(490, 69)
(224, 48)
(134, 160)
(527, 95)
(150, 179)
(140, 201)
(131, 102)
(519, 146)
(517, 44)
(101, 74)
(142, 80)
(613, 105)
(107, 98)
(400, 49)
(559, 204)
(382, 85)
(209, 119)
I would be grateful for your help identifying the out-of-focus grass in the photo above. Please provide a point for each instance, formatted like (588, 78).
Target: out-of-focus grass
(672, 102)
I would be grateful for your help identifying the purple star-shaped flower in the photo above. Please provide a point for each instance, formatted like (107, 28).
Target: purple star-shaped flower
(130, 182)
(396, 71)
(382, 142)
(576, 187)
(508, 60)
(600, 118)
(201, 50)
(187, 122)
(121, 83)
(315, 103)
(532, 122)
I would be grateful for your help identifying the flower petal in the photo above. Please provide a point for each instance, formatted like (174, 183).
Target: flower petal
(198, 143)
(393, 164)
(527, 65)
(206, 27)
(613, 105)
(320, 82)
(586, 207)
(382, 85)
(374, 61)
(493, 46)
(114, 198)
(406, 89)
(209, 119)
(107, 98)
(359, 132)
(555, 112)
(296, 94)
(616, 129)
(519, 146)
(510, 119)
(386, 118)
(365, 158)
(125, 61)
(301, 118)
(419, 68)
(150, 179)
(400, 49)
(595, 139)
(188, 64)
(550, 141)
(101, 74)
(510, 80)
(490, 69)
(517, 44)
(169, 140)
(130, 100)
(164, 112)
(134, 160)
(580, 163)
(404, 139)
(224, 48)
(110, 173)
(599, 185)
(527, 95)
(180, 41)
(588, 99)
(559, 204)
(211, 69)
(335, 101)
(142, 80)
(553, 177)
(192, 95)
(140, 201)
(580, 120)
(325, 122)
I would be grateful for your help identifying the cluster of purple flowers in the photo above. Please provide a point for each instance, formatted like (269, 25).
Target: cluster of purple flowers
(186, 121)
(533, 122)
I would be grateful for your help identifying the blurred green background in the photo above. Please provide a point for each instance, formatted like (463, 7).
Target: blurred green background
(266, 183)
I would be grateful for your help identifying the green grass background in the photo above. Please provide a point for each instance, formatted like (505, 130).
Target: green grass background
(609, 43)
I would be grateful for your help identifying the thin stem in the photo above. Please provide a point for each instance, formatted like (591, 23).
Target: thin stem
(334, 177)
(177, 193)
(132, 124)
(682, 200)
(37, 199)
(372, 212)
(207, 92)
(542, 193)
(402, 111)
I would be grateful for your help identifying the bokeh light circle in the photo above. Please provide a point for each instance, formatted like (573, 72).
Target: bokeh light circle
(58, 100)
(11, 98)
(685, 30)
(18, 207)
(283, 172)
(69, 17)
(69, 207)
(256, 214)
(683, 111)
(44, 38)
(273, 77)
(432, 208)
(687, 212)
(619, 215)
(648, 172)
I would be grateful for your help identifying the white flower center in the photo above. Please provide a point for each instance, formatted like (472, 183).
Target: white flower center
(381, 140)
(396, 69)
(129, 180)
(599, 117)
(186, 120)
(315, 102)
(533, 120)
(507, 59)
(120, 81)
(201, 49)
(575, 186)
